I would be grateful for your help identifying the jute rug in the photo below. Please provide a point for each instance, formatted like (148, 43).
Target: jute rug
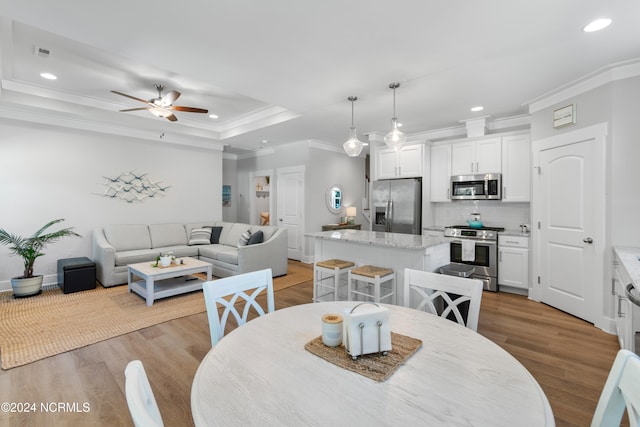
(52, 323)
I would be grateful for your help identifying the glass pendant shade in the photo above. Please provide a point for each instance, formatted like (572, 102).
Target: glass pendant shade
(353, 146)
(396, 138)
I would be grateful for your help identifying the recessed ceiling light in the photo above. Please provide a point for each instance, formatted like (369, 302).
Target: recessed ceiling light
(597, 25)
(478, 108)
(213, 116)
(264, 141)
(48, 76)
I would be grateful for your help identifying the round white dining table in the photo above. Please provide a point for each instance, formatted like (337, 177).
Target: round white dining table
(261, 375)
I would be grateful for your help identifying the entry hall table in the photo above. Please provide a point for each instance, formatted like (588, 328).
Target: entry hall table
(260, 374)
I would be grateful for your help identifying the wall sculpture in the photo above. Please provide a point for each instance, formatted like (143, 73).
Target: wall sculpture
(132, 187)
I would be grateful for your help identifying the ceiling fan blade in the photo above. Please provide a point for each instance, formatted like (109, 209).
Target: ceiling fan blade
(134, 109)
(169, 98)
(129, 96)
(188, 109)
(172, 118)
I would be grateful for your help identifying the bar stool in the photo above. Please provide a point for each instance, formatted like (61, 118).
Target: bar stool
(329, 269)
(372, 275)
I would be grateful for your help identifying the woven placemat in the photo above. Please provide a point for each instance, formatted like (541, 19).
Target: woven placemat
(374, 366)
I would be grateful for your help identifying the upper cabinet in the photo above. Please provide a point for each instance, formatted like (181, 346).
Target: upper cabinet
(403, 163)
(516, 168)
(440, 173)
(476, 157)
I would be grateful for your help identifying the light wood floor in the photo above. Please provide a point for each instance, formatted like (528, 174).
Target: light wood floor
(569, 358)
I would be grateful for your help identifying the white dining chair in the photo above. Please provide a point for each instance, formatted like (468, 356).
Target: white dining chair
(431, 289)
(231, 290)
(621, 390)
(142, 404)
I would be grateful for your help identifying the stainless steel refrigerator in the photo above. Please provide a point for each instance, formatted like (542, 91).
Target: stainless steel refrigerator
(397, 205)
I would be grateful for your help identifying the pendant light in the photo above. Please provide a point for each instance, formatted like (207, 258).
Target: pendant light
(396, 138)
(353, 146)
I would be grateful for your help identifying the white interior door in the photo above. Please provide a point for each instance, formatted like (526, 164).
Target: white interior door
(291, 208)
(569, 211)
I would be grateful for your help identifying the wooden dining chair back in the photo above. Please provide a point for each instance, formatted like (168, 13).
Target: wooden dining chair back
(621, 390)
(234, 290)
(140, 399)
(455, 298)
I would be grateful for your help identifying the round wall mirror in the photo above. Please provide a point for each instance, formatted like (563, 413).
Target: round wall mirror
(334, 198)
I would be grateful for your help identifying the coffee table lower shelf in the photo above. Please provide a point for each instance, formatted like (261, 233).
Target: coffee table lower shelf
(167, 287)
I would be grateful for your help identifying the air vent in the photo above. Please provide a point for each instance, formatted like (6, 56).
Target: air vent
(42, 52)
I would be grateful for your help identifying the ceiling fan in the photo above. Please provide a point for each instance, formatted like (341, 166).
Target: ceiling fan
(162, 106)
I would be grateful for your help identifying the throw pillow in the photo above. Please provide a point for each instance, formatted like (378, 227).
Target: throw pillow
(256, 237)
(244, 239)
(215, 234)
(200, 236)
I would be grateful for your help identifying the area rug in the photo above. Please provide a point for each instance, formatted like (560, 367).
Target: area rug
(52, 323)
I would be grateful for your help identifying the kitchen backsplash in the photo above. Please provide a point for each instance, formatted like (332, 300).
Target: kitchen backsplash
(494, 213)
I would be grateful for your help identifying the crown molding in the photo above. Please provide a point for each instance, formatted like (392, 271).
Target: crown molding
(47, 117)
(603, 76)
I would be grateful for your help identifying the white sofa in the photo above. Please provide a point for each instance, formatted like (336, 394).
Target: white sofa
(116, 246)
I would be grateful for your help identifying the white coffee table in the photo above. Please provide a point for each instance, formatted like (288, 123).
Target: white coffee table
(162, 282)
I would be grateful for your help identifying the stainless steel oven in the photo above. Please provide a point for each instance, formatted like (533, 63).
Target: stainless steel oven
(485, 251)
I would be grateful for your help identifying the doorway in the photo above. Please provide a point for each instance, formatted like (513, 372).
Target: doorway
(261, 199)
(568, 210)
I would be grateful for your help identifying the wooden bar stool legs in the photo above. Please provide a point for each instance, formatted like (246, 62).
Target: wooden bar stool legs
(374, 277)
(331, 271)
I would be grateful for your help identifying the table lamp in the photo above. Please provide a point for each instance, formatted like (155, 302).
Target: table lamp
(351, 213)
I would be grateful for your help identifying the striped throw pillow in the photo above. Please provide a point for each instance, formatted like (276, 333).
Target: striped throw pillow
(244, 239)
(200, 236)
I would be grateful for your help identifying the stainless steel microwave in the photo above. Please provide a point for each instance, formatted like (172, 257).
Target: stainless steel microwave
(486, 186)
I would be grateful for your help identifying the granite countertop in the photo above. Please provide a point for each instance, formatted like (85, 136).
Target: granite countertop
(379, 238)
(629, 257)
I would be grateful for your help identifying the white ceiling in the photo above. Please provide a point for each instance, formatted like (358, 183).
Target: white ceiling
(282, 70)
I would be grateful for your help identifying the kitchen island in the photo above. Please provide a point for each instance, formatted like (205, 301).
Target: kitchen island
(391, 250)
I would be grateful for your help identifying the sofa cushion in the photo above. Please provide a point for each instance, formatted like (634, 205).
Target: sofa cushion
(215, 234)
(136, 256)
(267, 231)
(180, 251)
(167, 235)
(209, 251)
(127, 237)
(200, 236)
(244, 238)
(227, 254)
(231, 234)
(256, 238)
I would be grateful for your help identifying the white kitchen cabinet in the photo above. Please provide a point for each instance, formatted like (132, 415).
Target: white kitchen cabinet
(516, 168)
(440, 173)
(623, 307)
(513, 261)
(476, 157)
(407, 162)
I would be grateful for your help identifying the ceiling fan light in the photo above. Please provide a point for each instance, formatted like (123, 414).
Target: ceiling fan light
(160, 112)
(396, 138)
(353, 146)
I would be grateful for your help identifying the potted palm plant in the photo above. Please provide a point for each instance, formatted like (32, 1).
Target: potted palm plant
(29, 249)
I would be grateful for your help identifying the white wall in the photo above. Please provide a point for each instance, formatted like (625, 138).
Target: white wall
(323, 167)
(49, 173)
(230, 177)
(616, 105)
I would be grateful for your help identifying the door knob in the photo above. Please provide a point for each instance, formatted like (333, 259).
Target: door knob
(588, 240)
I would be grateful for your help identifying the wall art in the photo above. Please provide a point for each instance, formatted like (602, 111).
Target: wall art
(132, 187)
